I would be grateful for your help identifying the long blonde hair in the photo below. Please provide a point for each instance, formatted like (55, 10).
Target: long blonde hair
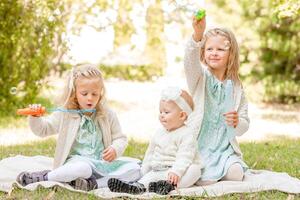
(69, 100)
(233, 59)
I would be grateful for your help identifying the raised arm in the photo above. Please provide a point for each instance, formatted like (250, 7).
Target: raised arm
(192, 66)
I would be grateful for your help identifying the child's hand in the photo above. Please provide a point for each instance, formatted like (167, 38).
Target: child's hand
(109, 154)
(199, 28)
(173, 178)
(232, 118)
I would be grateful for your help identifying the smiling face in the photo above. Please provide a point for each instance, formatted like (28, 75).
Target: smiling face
(171, 116)
(216, 53)
(88, 92)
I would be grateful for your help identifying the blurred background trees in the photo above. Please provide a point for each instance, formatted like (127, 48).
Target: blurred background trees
(30, 44)
(34, 35)
(270, 32)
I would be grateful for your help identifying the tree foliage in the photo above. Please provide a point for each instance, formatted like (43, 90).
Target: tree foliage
(155, 47)
(280, 51)
(270, 45)
(33, 36)
(27, 48)
(123, 27)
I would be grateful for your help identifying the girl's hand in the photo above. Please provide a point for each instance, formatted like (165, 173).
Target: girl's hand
(199, 28)
(109, 154)
(232, 118)
(173, 178)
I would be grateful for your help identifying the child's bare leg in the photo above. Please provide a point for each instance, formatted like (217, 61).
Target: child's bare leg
(235, 173)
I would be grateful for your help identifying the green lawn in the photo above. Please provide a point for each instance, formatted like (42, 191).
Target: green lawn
(279, 154)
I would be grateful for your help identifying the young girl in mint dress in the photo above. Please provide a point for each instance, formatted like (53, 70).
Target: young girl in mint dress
(90, 139)
(218, 92)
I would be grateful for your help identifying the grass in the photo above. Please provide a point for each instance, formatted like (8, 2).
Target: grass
(279, 154)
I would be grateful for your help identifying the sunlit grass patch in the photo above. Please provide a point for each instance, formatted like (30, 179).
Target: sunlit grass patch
(279, 154)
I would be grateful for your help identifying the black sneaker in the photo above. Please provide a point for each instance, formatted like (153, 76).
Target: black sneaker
(85, 184)
(161, 187)
(116, 185)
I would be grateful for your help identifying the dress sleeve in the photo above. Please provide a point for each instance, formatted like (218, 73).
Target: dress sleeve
(192, 66)
(244, 120)
(119, 140)
(46, 126)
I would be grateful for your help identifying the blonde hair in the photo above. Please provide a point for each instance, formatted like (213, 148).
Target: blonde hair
(69, 100)
(188, 98)
(233, 59)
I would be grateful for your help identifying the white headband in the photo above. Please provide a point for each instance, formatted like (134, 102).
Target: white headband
(173, 93)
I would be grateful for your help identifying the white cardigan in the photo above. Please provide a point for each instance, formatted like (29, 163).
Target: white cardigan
(174, 151)
(196, 83)
(66, 125)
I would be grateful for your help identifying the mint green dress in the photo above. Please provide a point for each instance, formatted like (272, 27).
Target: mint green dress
(88, 147)
(214, 138)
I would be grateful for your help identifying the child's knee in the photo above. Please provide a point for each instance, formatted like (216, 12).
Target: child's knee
(85, 169)
(235, 173)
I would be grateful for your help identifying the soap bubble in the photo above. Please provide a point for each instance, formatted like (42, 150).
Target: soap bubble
(13, 90)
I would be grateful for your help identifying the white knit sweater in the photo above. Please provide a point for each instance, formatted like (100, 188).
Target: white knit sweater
(174, 151)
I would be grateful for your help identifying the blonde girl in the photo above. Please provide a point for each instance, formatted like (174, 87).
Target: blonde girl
(216, 88)
(89, 140)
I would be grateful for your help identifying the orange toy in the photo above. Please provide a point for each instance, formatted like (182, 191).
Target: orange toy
(30, 111)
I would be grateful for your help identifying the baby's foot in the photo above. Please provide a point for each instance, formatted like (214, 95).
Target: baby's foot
(116, 185)
(161, 187)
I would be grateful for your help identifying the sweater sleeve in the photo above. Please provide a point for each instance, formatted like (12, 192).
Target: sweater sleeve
(45, 126)
(186, 153)
(244, 120)
(119, 140)
(192, 66)
(194, 120)
(146, 165)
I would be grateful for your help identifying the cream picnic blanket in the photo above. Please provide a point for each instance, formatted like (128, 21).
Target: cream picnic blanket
(255, 180)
